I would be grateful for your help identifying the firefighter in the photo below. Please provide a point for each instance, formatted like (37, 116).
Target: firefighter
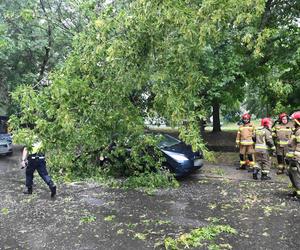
(294, 156)
(245, 142)
(263, 142)
(281, 135)
(33, 159)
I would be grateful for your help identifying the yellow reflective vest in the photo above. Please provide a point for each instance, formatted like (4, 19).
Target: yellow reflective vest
(36, 148)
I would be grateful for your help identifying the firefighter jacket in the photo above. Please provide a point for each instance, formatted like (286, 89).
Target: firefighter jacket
(244, 135)
(294, 145)
(282, 134)
(263, 140)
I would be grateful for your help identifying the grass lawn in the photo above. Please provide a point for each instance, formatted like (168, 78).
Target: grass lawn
(227, 126)
(231, 126)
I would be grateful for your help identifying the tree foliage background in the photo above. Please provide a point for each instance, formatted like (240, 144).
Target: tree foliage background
(36, 37)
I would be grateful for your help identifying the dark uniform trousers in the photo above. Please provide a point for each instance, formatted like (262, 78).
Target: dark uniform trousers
(37, 162)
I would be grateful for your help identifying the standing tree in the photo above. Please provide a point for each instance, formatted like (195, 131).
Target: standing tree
(273, 73)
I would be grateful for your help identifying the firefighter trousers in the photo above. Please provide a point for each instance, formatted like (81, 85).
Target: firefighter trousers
(294, 174)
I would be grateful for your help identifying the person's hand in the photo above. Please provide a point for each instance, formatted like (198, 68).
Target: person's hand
(23, 164)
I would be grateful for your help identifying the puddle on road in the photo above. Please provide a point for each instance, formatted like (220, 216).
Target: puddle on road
(94, 201)
(177, 211)
(187, 222)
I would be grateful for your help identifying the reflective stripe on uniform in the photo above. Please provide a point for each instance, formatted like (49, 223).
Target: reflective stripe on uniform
(290, 154)
(261, 146)
(297, 138)
(260, 131)
(242, 162)
(284, 129)
(247, 142)
(283, 142)
(251, 163)
(37, 157)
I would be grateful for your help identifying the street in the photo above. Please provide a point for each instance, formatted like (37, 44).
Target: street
(89, 216)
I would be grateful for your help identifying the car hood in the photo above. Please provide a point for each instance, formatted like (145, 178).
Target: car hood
(182, 148)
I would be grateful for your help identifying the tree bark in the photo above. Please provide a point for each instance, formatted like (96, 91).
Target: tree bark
(202, 127)
(266, 15)
(216, 117)
(48, 47)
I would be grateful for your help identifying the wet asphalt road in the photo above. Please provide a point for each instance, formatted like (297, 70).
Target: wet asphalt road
(87, 216)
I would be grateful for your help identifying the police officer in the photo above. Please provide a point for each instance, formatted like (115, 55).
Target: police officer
(294, 156)
(33, 160)
(245, 142)
(263, 142)
(281, 135)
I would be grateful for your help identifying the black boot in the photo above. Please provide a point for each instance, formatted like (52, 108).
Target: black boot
(52, 189)
(241, 167)
(279, 171)
(255, 172)
(28, 190)
(265, 177)
(293, 194)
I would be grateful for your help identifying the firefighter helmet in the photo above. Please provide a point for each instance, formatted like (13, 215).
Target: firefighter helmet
(246, 116)
(282, 115)
(296, 117)
(266, 122)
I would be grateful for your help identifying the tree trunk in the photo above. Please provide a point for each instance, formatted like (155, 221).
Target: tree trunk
(216, 117)
(48, 47)
(266, 15)
(202, 127)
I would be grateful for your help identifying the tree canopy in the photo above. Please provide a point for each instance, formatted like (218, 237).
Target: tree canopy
(170, 59)
(35, 37)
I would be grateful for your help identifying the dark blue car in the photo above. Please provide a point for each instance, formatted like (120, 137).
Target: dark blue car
(5, 144)
(180, 158)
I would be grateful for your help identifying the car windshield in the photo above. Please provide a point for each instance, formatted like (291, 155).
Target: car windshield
(168, 141)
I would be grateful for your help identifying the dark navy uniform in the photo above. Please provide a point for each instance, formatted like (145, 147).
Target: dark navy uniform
(36, 161)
